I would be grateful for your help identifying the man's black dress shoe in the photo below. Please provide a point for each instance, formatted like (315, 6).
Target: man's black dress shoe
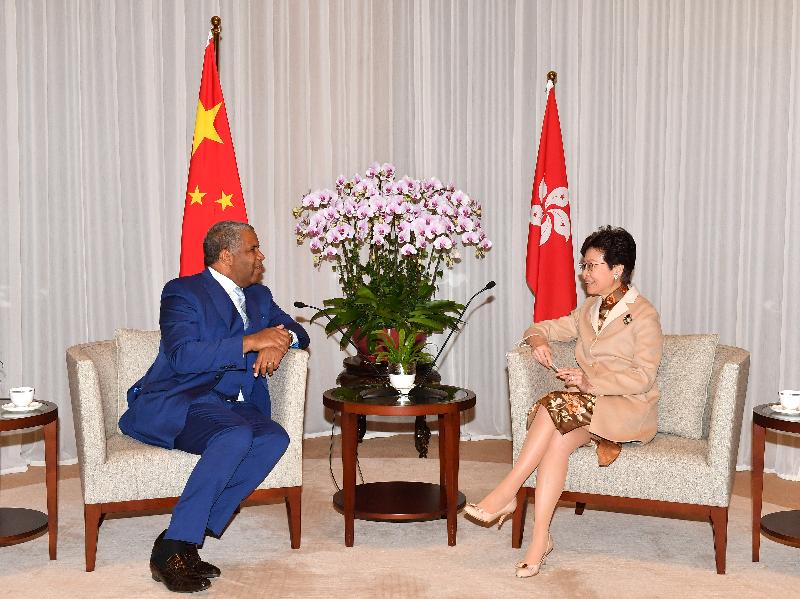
(201, 568)
(178, 576)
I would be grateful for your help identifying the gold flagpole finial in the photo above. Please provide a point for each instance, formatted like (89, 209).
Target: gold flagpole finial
(216, 28)
(552, 76)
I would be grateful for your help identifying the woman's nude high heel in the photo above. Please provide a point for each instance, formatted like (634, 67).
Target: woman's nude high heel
(481, 515)
(526, 571)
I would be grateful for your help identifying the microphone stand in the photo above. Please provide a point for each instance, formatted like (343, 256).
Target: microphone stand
(362, 420)
(453, 329)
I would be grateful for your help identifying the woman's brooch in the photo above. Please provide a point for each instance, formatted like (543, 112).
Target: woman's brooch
(628, 319)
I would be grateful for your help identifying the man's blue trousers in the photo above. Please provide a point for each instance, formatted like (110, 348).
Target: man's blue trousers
(238, 447)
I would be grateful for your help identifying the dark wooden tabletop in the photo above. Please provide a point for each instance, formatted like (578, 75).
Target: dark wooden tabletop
(386, 401)
(11, 421)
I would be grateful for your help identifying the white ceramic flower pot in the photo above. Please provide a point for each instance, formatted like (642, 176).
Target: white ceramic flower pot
(402, 382)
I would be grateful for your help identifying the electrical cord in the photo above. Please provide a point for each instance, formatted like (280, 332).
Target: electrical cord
(330, 459)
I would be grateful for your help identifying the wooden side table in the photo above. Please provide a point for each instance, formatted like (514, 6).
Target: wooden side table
(22, 524)
(360, 372)
(784, 525)
(400, 501)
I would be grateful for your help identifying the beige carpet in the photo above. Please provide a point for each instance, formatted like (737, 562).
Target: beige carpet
(599, 554)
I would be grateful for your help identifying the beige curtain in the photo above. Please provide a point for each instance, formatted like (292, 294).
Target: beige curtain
(681, 122)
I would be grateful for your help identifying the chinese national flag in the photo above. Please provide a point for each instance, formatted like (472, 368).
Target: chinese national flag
(550, 267)
(214, 192)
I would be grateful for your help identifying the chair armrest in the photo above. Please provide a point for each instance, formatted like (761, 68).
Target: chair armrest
(727, 390)
(287, 391)
(87, 405)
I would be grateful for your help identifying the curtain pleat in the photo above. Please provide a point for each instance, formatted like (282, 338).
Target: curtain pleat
(681, 123)
(11, 293)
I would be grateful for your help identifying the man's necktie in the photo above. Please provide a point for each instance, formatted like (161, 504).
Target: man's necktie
(238, 293)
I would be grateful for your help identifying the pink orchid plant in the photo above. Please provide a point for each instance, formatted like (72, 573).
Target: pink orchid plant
(389, 239)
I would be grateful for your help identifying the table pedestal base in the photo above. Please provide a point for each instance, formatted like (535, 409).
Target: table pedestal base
(399, 501)
(19, 524)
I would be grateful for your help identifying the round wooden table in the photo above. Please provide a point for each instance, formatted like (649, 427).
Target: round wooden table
(784, 525)
(400, 501)
(22, 524)
(361, 372)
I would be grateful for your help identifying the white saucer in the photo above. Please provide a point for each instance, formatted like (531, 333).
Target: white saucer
(781, 410)
(34, 405)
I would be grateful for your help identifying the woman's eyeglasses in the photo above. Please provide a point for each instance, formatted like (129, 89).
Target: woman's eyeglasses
(588, 265)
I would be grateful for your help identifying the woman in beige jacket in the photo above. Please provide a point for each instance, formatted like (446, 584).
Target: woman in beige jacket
(609, 399)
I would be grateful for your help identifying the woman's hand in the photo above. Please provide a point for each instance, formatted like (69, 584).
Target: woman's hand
(575, 377)
(541, 351)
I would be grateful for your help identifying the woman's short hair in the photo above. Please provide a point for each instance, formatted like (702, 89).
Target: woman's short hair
(224, 235)
(618, 247)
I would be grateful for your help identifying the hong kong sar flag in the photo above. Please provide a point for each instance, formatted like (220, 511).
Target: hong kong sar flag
(550, 265)
(214, 191)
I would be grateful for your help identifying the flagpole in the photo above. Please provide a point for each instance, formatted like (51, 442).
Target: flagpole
(216, 27)
(551, 76)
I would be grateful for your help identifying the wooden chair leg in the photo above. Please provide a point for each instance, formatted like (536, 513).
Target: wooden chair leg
(579, 507)
(293, 504)
(719, 523)
(518, 519)
(92, 515)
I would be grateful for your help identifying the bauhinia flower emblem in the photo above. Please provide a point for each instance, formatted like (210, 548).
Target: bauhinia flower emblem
(548, 213)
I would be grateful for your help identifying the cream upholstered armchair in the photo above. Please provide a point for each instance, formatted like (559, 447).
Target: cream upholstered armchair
(120, 474)
(686, 470)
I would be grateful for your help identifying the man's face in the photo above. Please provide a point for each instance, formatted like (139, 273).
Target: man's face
(247, 263)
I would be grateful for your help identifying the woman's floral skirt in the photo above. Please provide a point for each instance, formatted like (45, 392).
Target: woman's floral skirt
(569, 410)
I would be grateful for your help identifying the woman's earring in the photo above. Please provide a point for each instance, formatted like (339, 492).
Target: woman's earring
(616, 277)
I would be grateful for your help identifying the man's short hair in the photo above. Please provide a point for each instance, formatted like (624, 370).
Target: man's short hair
(224, 235)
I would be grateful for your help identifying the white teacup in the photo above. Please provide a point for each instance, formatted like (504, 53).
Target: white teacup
(790, 399)
(21, 396)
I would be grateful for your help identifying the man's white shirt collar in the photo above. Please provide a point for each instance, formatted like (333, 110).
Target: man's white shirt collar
(227, 284)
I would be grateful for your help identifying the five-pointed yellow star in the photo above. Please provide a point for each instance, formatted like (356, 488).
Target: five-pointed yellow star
(204, 125)
(196, 195)
(225, 201)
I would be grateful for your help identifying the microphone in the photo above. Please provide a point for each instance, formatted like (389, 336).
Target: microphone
(489, 285)
(305, 305)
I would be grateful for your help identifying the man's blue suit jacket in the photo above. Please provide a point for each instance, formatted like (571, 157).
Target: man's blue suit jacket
(200, 356)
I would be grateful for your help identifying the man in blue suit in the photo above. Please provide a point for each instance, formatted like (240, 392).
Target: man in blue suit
(207, 394)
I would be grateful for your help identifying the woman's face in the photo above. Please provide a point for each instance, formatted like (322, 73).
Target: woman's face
(597, 275)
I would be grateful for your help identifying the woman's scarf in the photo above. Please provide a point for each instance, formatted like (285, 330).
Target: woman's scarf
(609, 302)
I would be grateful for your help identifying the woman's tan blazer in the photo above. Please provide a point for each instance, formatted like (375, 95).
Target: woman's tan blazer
(620, 360)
